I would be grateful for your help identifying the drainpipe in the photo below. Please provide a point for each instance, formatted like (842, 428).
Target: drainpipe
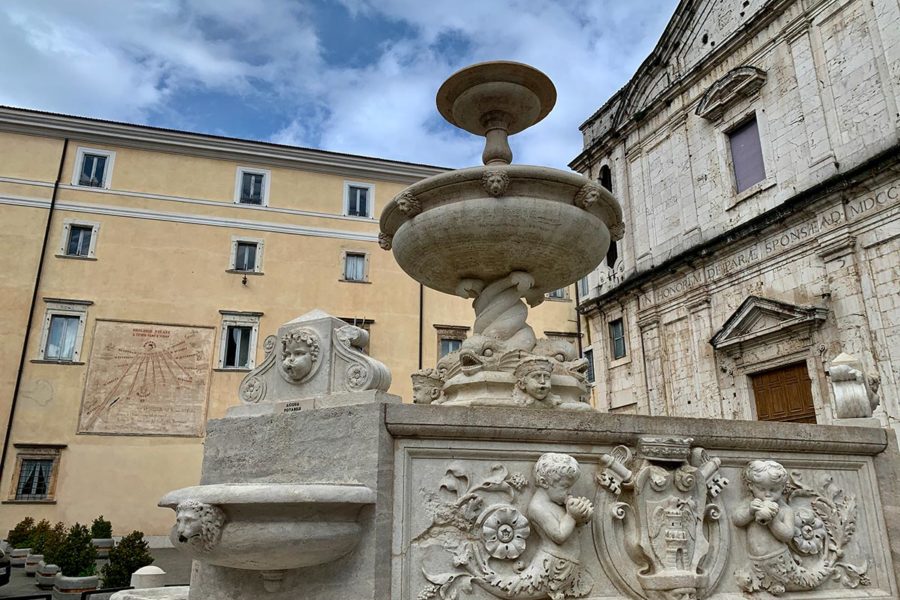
(578, 317)
(34, 294)
(421, 320)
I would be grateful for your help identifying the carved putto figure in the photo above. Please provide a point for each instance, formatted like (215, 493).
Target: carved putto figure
(507, 551)
(300, 353)
(794, 547)
(198, 525)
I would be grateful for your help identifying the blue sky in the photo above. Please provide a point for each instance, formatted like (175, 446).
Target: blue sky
(355, 76)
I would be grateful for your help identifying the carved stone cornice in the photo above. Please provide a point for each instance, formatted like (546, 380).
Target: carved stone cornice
(736, 85)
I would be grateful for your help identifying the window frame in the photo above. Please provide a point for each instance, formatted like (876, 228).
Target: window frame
(239, 181)
(238, 319)
(614, 360)
(344, 255)
(591, 374)
(67, 231)
(562, 298)
(584, 287)
(35, 452)
(232, 263)
(370, 199)
(726, 162)
(64, 308)
(449, 332)
(107, 172)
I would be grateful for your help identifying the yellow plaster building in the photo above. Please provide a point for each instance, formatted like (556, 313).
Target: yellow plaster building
(145, 267)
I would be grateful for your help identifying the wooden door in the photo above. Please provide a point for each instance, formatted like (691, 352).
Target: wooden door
(784, 394)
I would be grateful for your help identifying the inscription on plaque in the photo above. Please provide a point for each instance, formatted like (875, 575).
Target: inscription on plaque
(147, 379)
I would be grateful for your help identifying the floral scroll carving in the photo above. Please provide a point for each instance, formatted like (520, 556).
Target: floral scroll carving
(796, 535)
(506, 547)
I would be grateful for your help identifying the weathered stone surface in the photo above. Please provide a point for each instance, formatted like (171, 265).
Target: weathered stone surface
(165, 593)
(148, 577)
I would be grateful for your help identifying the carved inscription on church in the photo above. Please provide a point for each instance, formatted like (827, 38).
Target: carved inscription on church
(147, 379)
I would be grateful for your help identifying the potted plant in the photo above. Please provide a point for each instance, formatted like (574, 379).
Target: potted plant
(101, 536)
(20, 540)
(47, 568)
(38, 539)
(130, 554)
(77, 561)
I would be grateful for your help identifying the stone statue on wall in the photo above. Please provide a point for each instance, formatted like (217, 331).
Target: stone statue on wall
(426, 386)
(795, 535)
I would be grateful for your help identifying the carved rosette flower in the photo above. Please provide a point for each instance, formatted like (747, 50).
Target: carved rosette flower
(495, 182)
(809, 532)
(356, 376)
(252, 389)
(385, 240)
(504, 533)
(408, 204)
(588, 195)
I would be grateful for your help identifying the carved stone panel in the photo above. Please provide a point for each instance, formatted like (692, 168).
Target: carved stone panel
(659, 519)
(147, 379)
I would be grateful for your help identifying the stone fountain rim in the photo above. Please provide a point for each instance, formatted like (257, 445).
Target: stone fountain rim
(607, 209)
(225, 494)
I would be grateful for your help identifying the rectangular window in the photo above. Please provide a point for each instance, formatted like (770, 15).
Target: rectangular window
(589, 357)
(62, 337)
(449, 345)
(354, 267)
(34, 479)
(252, 188)
(238, 343)
(559, 294)
(584, 287)
(746, 155)
(93, 167)
(79, 243)
(245, 256)
(359, 199)
(237, 347)
(617, 338)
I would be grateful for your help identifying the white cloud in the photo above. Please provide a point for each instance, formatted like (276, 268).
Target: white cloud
(134, 60)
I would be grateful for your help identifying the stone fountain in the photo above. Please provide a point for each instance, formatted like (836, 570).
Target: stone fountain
(500, 481)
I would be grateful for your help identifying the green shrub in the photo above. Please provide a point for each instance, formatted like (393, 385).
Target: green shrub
(39, 536)
(129, 555)
(20, 535)
(77, 556)
(101, 529)
(53, 543)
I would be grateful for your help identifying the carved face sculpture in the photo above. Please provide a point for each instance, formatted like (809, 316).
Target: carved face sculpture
(495, 182)
(537, 384)
(426, 392)
(188, 523)
(300, 351)
(765, 479)
(481, 353)
(556, 473)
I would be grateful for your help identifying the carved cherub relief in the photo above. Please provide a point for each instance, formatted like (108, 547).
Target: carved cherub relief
(300, 354)
(783, 534)
(508, 552)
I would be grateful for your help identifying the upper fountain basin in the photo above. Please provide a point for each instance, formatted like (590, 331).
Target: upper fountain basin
(486, 222)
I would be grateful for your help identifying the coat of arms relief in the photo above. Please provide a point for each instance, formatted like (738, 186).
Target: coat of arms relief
(655, 526)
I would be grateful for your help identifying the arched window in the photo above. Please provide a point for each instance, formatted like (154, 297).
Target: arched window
(612, 255)
(606, 177)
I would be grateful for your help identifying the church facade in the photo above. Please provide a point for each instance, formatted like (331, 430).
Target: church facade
(756, 156)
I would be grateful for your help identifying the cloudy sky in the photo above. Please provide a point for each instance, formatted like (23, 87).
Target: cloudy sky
(355, 76)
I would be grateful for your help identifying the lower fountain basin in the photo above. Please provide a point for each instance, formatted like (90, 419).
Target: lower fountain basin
(267, 527)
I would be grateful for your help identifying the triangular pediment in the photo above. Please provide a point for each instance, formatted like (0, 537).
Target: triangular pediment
(758, 319)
